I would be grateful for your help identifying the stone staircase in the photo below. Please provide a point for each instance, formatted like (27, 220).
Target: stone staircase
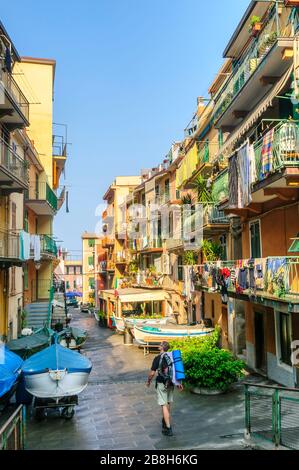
(37, 314)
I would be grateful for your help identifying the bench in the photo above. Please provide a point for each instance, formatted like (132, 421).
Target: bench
(150, 346)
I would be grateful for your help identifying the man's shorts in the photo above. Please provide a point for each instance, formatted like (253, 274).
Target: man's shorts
(164, 396)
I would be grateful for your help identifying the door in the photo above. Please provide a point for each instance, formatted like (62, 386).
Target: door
(260, 350)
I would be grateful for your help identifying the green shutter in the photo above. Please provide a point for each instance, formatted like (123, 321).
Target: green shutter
(91, 282)
(25, 277)
(67, 284)
(90, 261)
(91, 242)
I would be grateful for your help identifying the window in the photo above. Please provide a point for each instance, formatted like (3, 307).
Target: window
(91, 243)
(26, 222)
(78, 270)
(180, 269)
(13, 279)
(75, 284)
(167, 187)
(220, 138)
(224, 247)
(157, 190)
(67, 284)
(91, 283)
(255, 239)
(90, 261)
(25, 277)
(71, 270)
(13, 215)
(285, 324)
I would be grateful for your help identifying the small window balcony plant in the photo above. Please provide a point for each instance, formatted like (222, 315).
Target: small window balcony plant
(255, 25)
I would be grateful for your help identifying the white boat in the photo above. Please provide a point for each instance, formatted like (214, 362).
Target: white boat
(56, 372)
(122, 323)
(167, 333)
(119, 323)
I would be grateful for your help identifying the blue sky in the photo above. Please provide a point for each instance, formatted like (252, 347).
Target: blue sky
(127, 78)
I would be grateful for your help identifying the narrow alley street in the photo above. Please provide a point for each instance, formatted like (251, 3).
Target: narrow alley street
(117, 411)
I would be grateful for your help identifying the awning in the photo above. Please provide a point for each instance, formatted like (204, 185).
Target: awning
(135, 295)
(257, 112)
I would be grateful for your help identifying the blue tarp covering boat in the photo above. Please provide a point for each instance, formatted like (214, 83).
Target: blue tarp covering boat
(10, 369)
(56, 357)
(56, 372)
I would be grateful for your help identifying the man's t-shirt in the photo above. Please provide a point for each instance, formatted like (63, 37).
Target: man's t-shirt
(155, 367)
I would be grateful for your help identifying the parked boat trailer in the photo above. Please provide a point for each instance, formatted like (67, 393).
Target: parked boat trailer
(65, 406)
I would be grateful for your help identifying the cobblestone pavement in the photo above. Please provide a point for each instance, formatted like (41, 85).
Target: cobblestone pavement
(117, 411)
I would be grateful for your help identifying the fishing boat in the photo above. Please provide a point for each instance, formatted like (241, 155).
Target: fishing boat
(10, 372)
(129, 322)
(119, 324)
(72, 338)
(56, 373)
(166, 333)
(26, 346)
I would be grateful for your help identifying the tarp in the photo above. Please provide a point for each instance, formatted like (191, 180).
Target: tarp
(10, 367)
(28, 345)
(56, 357)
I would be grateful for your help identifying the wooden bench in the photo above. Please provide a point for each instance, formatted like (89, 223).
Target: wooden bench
(151, 346)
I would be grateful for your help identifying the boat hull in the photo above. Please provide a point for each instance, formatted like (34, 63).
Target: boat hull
(163, 334)
(44, 386)
(120, 324)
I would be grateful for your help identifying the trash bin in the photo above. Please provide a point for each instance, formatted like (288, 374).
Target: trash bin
(128, 338)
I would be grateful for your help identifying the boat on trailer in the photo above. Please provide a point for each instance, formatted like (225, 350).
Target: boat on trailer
(10, 373)
(144, 334)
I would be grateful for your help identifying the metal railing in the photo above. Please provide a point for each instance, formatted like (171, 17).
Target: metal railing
(9, 244)
(43, 192)
(283, 140)
(220, 187)
(204, 154)
(11, 162)
(16, 93)
(48, 245)
(212, 215)
(50, 309)
(272, 414)
(273, 277)
(162, 198)
(12, 433)
(251, 60)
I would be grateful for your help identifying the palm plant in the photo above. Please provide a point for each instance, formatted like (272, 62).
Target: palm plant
(187, 199)
(204, 195)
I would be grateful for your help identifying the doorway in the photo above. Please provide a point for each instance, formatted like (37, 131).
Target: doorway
(260, 350)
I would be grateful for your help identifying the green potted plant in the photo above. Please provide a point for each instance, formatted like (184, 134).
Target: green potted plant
(255, 25)
(208, 369)
(190, 258)
(212, 251)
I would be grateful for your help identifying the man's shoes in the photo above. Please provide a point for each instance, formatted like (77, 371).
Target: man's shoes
(163, 424)
(168, 432)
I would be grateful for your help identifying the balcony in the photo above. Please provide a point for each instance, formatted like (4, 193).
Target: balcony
(42, 199)
(162, 199)
(120, 257)
(268, 57)
(13, 170)
(175, 243)
(48, 247)
(220, 187)
(267, 280)
(14, 106)
(10, 252)
(281, 168)
(214, 220)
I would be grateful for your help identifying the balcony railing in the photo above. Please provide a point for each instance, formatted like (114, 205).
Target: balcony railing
(9, 245)
(250, 62)
(220, 187)
(43, 192)
(273, 278)
(212, 215)
(282, 145)
(48, 246)
(16, 93)
(12, 163)
(162, 198)
(204, 154)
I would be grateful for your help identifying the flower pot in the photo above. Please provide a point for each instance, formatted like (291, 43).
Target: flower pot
(256, 28)
(206, 391)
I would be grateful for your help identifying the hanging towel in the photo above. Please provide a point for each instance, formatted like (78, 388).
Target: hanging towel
(252, 165)
(244, 176)
(233, 181)
(267, 154)
(25, 244)
(36, 248)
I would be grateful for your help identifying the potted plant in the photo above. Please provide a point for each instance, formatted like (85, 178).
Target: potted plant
(208, 369)
(255, 25)
(190, 258)
(212, 251)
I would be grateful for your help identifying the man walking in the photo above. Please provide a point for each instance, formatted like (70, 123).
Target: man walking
(162, 364)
